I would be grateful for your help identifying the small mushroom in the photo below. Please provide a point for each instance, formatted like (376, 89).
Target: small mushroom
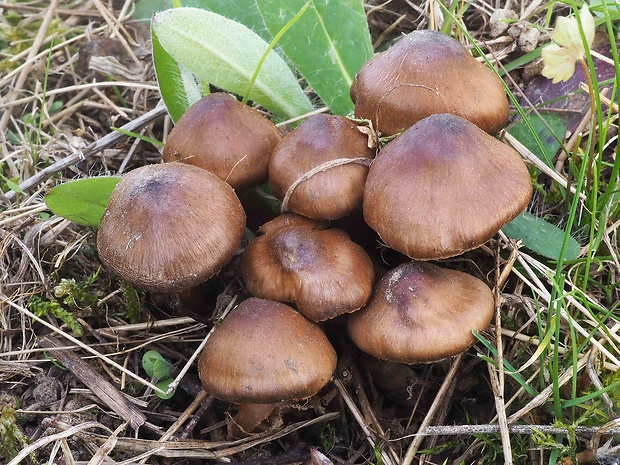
(322, 272)
(262, 354)
(444, 187)
(169, 227)
(428, 72)
(226, 137)
(422, 313)
(319, 169)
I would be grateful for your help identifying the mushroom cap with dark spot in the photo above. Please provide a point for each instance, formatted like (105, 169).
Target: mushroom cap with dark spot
(422, 313)
(322, 272)
(265, 352)
(170, 226)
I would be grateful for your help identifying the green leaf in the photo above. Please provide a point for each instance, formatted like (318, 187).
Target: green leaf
(82, 201)
(225, 53)
(328, 44)
(550, 130)
(155, 365)
(11, 185)
(177, 84)
(163, 385)
(243, 11)
(541, 236)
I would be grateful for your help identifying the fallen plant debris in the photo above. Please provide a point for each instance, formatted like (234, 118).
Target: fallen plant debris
(90, 92)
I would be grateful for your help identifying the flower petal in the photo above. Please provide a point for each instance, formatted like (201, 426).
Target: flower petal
(559, 64)
(566, 34)
(587, 24)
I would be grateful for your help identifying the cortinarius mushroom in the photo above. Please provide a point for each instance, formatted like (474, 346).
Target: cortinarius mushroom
(420, 312)
(226, 137)
(322, 271)
(443, 187)
(319, 169)
(264, 353)
(428, 72)
(170, 226)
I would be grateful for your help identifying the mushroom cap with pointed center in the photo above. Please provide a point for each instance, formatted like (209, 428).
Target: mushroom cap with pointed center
(444, 187)
(428, 72)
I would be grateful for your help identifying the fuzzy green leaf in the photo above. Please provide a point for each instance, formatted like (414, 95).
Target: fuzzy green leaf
(82, 201)
(225, 53)
(541, 236)
(328, 44)
(177, 84)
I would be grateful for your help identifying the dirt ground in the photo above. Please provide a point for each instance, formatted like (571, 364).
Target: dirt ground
(73, 70)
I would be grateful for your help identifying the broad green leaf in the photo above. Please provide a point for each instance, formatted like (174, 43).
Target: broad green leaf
(225, 53)
(82, 201)
(243, 11)
(177, 84)
(541, 237)
(550, 130)
(328, 44)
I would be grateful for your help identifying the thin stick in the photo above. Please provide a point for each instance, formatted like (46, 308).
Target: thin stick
(445, 386)
(370, 436)
(106, 141)
(533, 159)
(21, 80)
(468, 430)
(497, 378)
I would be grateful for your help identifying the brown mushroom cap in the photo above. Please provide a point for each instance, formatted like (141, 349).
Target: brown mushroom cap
(226, 137)
(322, 271)
(443, 187)
(265, 352)
(428, 72)
(170, 226)
(420, 312)
(327, 141)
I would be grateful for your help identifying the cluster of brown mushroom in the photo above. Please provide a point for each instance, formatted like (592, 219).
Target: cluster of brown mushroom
(442, 187)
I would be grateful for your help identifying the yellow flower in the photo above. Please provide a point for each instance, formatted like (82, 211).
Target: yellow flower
(559, 58)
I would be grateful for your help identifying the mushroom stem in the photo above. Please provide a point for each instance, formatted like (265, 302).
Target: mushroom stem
(248, 418)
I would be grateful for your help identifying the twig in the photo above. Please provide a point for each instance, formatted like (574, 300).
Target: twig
(106, 141)
(497, 378)
(23, 76)
(370, 436)
(44, 441)
(98, 385)
(104, 450)
(469, 430)
(439, 398)
(533, 159)
(194, 448)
